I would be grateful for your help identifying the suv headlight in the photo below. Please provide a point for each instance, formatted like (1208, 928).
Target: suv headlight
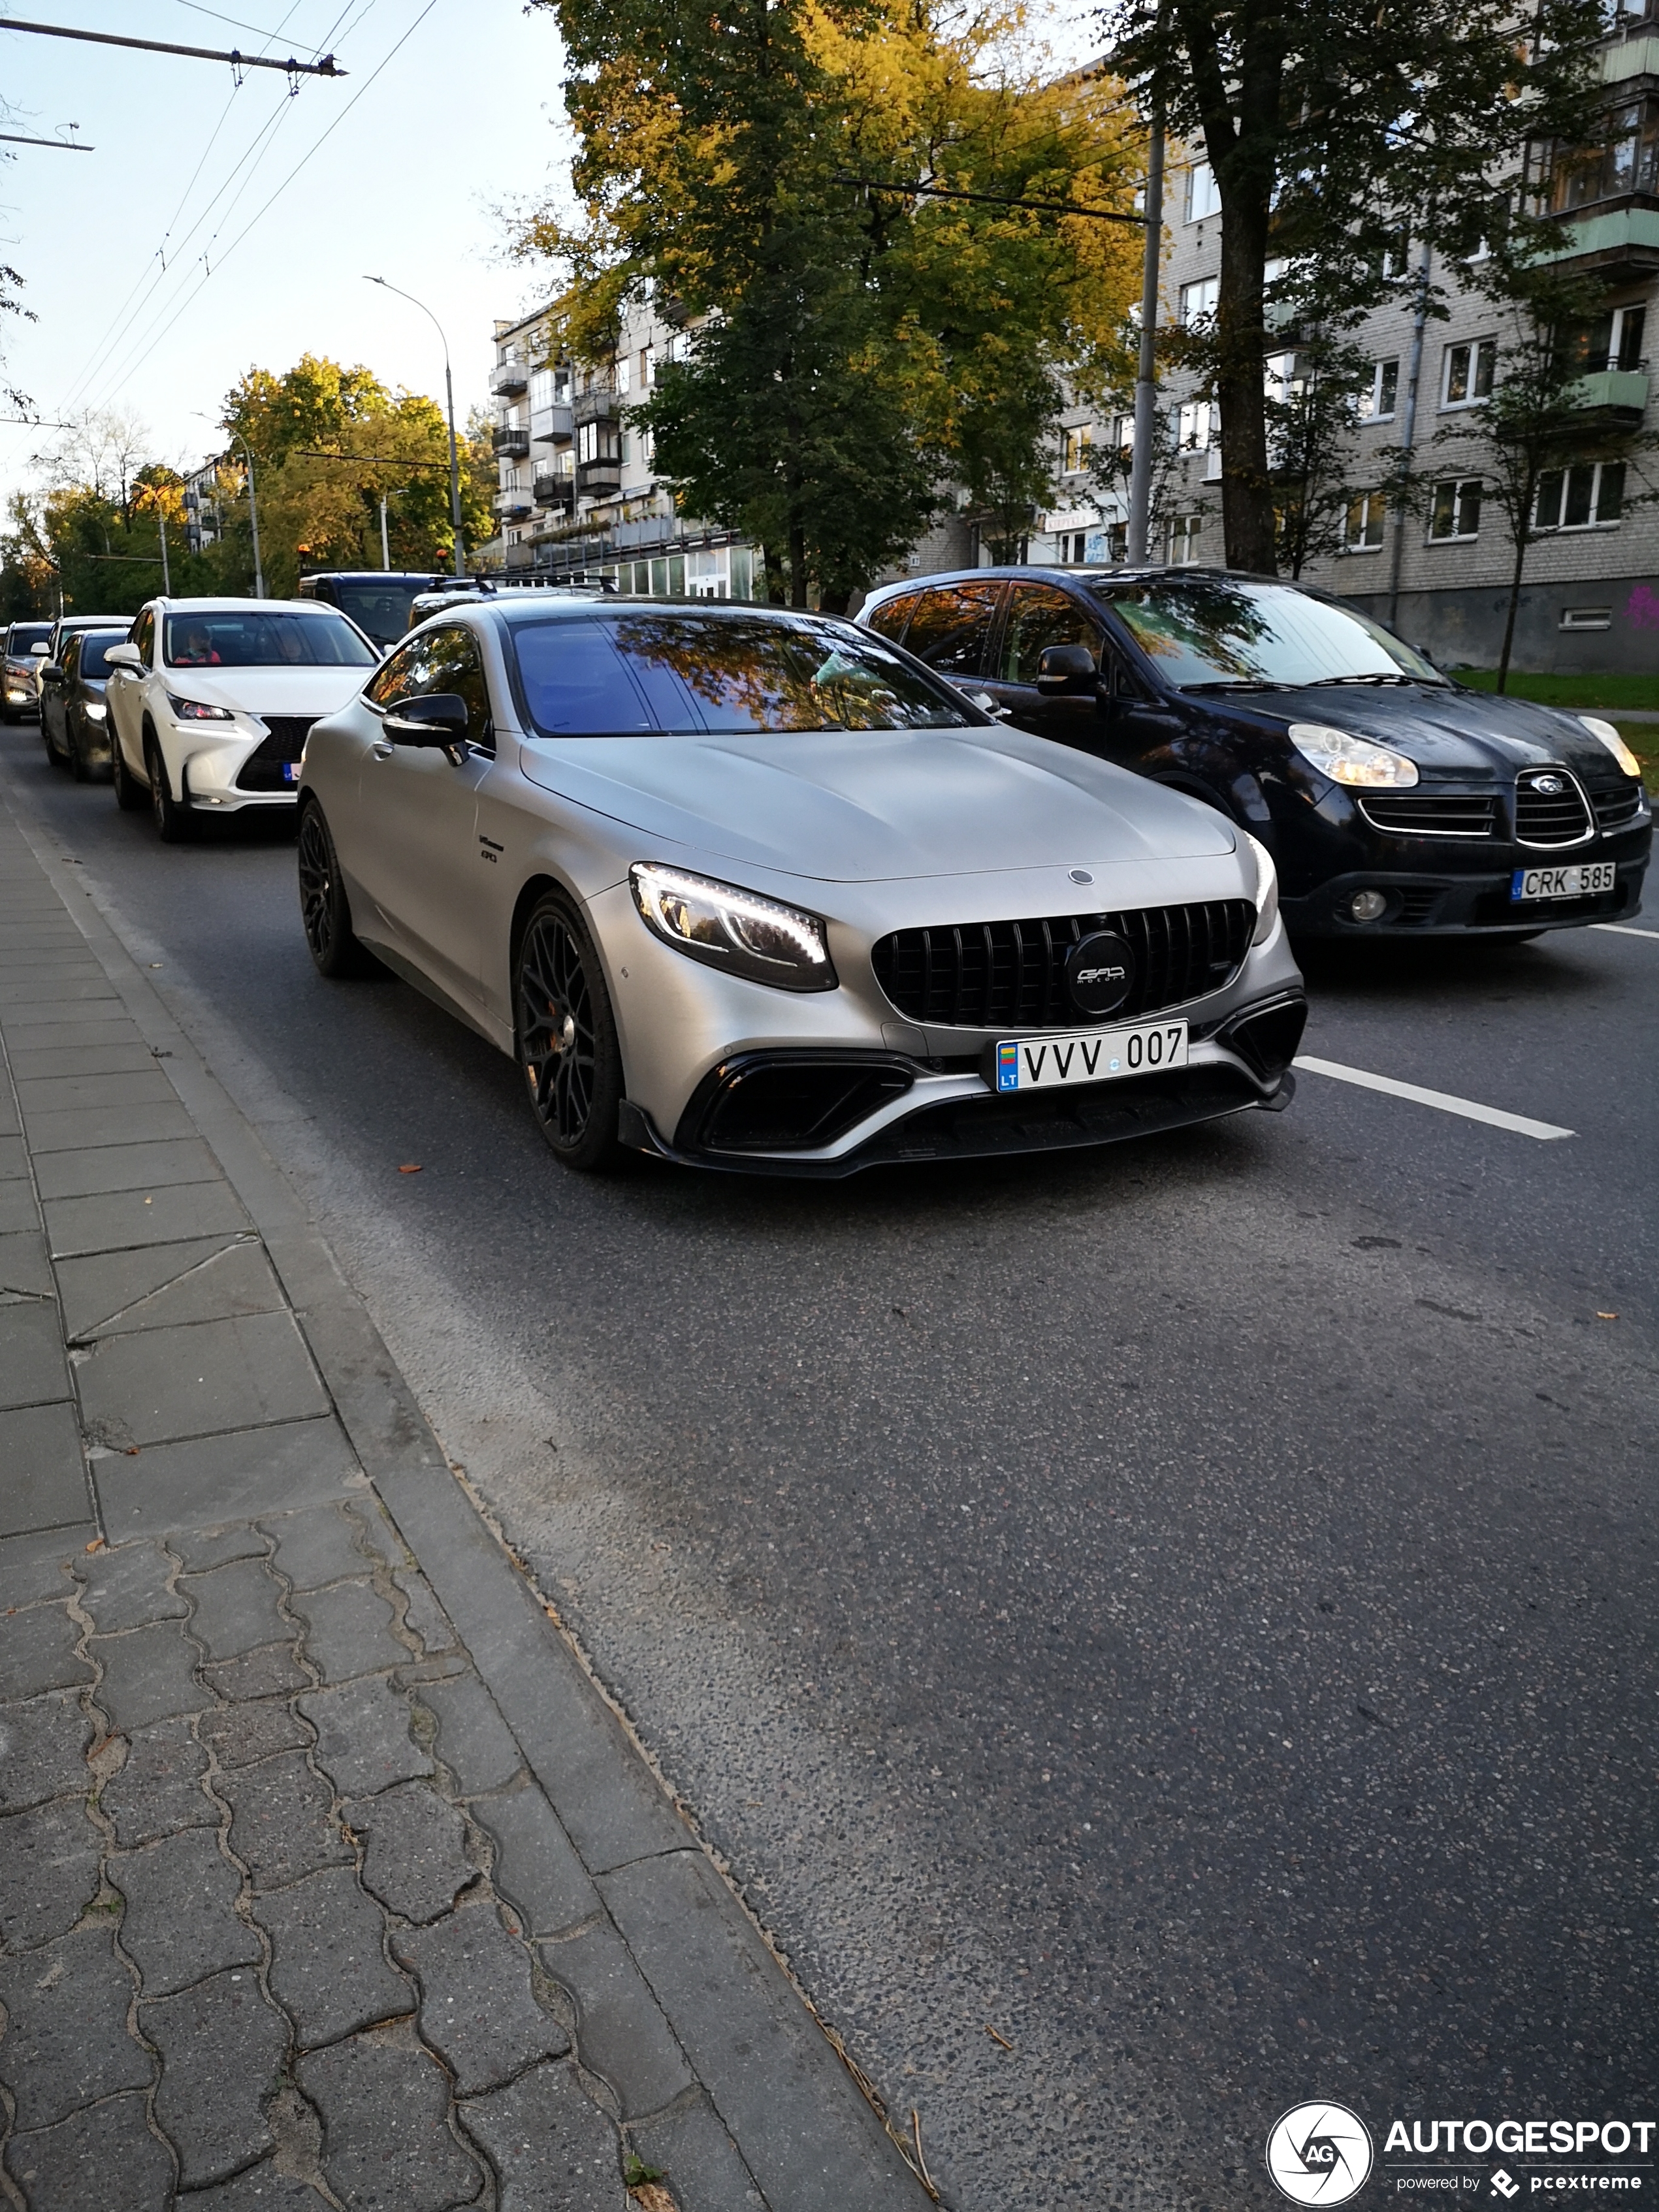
(1614, 744)
(733, 929)
(1267, 890)
(1348, 759)
(197, 710)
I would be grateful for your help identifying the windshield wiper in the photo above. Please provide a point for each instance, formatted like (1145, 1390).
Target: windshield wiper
(1372, 676)
(1240, 683)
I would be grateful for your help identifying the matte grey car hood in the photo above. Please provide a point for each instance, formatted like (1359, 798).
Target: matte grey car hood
(857, 807)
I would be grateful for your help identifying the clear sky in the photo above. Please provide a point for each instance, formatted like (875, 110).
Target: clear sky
(464, 116)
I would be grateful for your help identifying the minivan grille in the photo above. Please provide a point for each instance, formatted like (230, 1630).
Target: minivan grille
(1011, 974)
(263, 769)
(1431, 814)
(1557, 816)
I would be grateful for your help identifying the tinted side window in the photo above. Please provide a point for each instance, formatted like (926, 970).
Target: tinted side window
(455, 664)
(144, 637)
(71, 654)
(1040, 615)
(950, 627)
(889, 619)
(399, 674)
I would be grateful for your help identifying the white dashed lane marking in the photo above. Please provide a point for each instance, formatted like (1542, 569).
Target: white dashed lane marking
(1623, 929)
(1471, 1111)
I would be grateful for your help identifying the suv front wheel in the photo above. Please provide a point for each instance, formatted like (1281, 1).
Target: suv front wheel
(174, 824)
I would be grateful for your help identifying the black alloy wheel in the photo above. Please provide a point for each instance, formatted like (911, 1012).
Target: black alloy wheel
(566, 1038)
(129, 793)
(174, 824)
(324, 910)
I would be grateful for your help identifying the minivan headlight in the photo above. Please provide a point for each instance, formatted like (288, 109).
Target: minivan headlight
(1349, 759)
(733, 929)
(1267, 890)
(1614, 744)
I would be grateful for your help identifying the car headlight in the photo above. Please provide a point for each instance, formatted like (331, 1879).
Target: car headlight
(94, 710)
(1614, 744)
(733, 929)
(197, 710)
(1267, 890)
(1348, 759)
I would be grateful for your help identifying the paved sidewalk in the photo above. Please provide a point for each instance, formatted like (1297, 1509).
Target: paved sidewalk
(326, 1874)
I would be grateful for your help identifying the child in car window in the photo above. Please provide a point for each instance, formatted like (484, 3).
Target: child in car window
(196, 649)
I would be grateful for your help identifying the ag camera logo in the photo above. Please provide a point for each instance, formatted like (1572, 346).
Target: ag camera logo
(1319, 2154)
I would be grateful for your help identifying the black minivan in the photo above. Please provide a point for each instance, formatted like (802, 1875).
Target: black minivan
(1395, 802)
(376, 599)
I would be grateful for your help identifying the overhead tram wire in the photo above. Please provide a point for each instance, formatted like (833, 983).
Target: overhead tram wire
(196, 9)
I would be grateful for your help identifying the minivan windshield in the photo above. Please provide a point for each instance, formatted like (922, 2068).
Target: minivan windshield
(255, 640)
(381, 607)
(641, 669)
(1216, 632)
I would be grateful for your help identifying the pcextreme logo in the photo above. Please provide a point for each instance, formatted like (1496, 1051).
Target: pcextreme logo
(1319, 2154)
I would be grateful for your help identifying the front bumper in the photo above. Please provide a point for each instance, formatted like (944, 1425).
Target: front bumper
(1435, 903)
(206, 774)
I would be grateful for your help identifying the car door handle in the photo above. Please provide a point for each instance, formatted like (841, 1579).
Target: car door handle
(381, 751)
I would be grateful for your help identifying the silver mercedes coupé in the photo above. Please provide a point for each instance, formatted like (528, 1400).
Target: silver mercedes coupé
(752, 888)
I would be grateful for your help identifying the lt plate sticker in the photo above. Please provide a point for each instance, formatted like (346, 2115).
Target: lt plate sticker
(1041, 1064)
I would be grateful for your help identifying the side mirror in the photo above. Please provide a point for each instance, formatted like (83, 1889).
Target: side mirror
(41, 647)
(426, 718)
(1065, 668)
(124, 656)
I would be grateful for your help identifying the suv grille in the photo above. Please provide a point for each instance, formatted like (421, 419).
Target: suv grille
(1431, 814)
(1551, 818)
(1615, 808)
(1011, 974)
(263, 769)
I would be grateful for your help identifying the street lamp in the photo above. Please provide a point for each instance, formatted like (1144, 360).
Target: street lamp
(252, 512)
(449, 398)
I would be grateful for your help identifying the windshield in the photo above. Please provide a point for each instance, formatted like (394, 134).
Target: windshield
(94, 644)
(741, 674)
(264, 640)
(24, 635)
(381, 609)
(1217, 630)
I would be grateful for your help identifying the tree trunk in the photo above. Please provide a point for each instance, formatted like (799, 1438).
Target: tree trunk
(1247, 498)
(1514, 602)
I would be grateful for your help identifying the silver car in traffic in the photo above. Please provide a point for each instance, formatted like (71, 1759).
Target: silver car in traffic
(752, 888)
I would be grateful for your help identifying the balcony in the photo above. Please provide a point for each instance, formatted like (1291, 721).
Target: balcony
(510, 377)
(599, 479)
(554, 491)
(512, 442)
(511, 506)
(594, 407)
(1619, 394)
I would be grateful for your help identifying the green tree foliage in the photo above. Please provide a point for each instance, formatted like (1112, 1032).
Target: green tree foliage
(847, 348)
(1336, 128)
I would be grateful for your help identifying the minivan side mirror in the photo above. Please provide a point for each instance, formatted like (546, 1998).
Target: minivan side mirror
(125, 655)
(426, 718)
(1065, 668)
(41, 646)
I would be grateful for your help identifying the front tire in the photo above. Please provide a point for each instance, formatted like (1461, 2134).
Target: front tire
(77, 752)
(324, 910)
(174, 824)
(565, 1038)
(129, 794)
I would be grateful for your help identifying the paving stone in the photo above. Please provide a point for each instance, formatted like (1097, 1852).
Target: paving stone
(271, 1671)
(32, 1370)
(260, 2189)
(474, 1742)
(235, 1609)
(386, 2146)
(180, 1922)
(158, 1789)
(621, 2032)
(149, 1674)
(161, 1210)
(52, 1095)
(24, 1266)
(34, 1570)
(328, 1971)
(703, 2166)
(125, 1585)
(423, 1612)
(553, 2150)
(536, 1867)
(37, 1653)
(43, 1750)
(316, 1549)
(477, 2009)
(48, 1870)
(363, 1742)
(19, 1214)
(207, 1378)
(204, 1549)
(348, 1631)
(102, 2159)
(238, 1735)
(35, 1062)
(282, 1821)
(222, 2047)
(415, 1858)
(46, 1486)
(66, 2042)
(172, 1486)
(231, 1276)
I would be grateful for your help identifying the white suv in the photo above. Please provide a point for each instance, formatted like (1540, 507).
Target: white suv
(212, 701)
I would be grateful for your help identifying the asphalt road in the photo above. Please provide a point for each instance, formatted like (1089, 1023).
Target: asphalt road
(1189, 1608)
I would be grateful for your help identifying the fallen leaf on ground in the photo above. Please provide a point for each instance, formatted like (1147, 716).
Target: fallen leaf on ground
(412, 1168)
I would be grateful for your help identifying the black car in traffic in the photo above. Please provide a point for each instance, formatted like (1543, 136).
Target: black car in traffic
(1395, 802)
(73, 713)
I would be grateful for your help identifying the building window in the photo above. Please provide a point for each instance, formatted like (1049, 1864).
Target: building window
(1378, 399)
(1587, 618)
(1362, 529)
(541, 390)
(1072, 546)
(562, 387)
(1198, 426)
(1111, 544)
(1466, 379)
(1626, 161)
(1197, 302)
(1610, 340)
(1203, 193)
(1183, 540)
(624, 374)
(1583, 498)
(647, 367)
(1456, 512)
(1076, 458)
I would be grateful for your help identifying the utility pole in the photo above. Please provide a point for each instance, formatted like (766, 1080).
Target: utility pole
(449, 402)
(237, 60)
(1145, 416)
(166, 573)
(253, 516)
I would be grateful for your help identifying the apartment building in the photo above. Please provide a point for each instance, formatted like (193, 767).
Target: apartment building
(579, 496)
(1441, 575)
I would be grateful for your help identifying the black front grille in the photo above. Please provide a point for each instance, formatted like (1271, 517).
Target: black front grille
(1011, 974)
(1431, 814)
(1551, 818)
(263, 769)
(1615, 808)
